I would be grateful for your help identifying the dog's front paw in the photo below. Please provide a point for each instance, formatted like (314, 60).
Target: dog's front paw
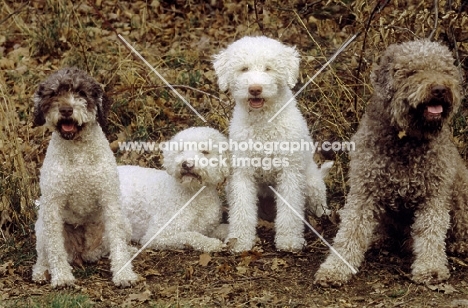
(289, 243)
(125, 278)
(239, 244)
(429, 275)
(212, 244)
(40, 274)
(332, 277)
(62, 280)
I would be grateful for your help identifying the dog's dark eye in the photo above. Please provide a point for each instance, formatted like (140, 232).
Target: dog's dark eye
(267, 69)
(205, 152)
(244, 69)
(82, 93)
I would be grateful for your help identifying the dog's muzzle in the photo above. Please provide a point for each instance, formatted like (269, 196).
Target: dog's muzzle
(256, 101)
(434, 109)
(67, 126)
(187, 171)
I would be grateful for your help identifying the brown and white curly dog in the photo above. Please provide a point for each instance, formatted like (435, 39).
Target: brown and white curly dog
(406, 172)
(79, 217)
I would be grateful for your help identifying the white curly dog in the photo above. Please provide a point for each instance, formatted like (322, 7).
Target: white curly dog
(79, 215)
(260, 72)
(193, 160)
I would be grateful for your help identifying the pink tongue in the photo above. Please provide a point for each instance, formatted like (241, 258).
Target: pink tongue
(68, 127)
(435, 109)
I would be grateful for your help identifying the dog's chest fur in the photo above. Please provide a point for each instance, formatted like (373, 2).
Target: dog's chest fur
(82, 173)
(282, 131)
(403, 167)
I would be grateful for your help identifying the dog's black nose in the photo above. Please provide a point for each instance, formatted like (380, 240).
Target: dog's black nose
(255, 89)
(187, 165)
(438, 91)
(66, 111)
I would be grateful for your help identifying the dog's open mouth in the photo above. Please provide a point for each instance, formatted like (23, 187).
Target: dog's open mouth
(188, 176)
(256, 102)
(433, 112)
(68, 128)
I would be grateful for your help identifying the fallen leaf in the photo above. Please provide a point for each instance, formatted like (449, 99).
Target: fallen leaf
(141, 297)
(132, 299)
(188, 272)
(204, 259)
(152, 272)
(224, 268)
(444, 287)
(277, 263)
(5, 267)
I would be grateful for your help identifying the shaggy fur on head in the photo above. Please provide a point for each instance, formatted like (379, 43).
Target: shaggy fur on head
(79, 216)
(406, 173)
(150, 198)
(260, 73)
(69, 99)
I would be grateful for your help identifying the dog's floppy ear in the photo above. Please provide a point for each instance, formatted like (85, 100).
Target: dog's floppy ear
(103, 108)
(292, 66)
(222, 70)
(382, 73)
(39, 118)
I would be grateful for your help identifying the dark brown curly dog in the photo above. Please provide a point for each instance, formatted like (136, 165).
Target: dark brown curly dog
(405, 168)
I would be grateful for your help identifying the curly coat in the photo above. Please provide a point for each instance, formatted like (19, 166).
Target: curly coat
(406, 171)
(79, 217)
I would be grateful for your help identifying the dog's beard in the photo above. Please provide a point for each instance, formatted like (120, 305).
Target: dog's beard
(68, 128)
(429, 118)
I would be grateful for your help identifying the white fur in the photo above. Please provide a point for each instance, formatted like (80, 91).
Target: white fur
(266, 64)
(80, 113)
(79, 186)
(151, 197)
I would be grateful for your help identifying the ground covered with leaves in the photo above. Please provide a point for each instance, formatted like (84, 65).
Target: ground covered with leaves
(179, 38)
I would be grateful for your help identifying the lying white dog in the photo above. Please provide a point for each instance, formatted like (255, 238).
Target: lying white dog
(260, 72)
(150, 197)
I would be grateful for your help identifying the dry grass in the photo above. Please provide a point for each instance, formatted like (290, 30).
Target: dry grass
(179, 38)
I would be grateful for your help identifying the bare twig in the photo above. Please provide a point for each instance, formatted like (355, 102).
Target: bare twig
(436, 18)
(378, 7)
(259, 23)
(176, 86)
(14, 13)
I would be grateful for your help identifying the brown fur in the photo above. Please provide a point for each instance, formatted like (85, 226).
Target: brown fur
(80, 247)
(406, 164)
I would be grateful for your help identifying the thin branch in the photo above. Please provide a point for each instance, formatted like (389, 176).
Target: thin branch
(14, 13)
(436, 19)
(260, 25)
(175, 86)
(378, 7)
